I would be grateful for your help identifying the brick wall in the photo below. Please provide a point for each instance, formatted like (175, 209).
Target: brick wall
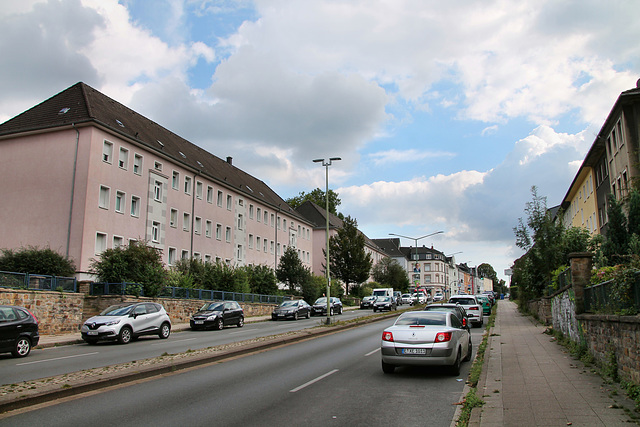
(63, 312)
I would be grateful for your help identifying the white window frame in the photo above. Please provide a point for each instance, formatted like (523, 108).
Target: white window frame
(197, 226)
(186, 221)
(157, 191)
(229, 202)
(199, 189)
(101, 242)
(171, 258)
(218, 231)
(107, 151)
(227, 234)
(219, 198)
(208, 228)
(187, 185)
(104, 196)
(155, 232)
(123, 158)
(173, 218)
(120, 202)
(118, 241)
(175, 180)
(209, 194)
(137, 164)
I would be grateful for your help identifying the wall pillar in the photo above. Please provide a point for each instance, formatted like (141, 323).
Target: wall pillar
(581, 264)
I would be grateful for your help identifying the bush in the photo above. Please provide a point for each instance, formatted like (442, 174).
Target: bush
(36, 261)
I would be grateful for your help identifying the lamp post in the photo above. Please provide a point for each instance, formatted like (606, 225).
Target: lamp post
(415, 239)
(328, 294)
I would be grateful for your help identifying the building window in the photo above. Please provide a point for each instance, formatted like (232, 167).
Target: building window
(101, 243)
(175, 180)
(123, 158)
(259, 215)
(120, 201)
(186, 221)
(135, 206)
(107, 152)
(264, 245)
(155, 231)
(207, 259)
(196, 255)
(209, 194)
(172, 256)
(173, 218)
(250, 241)
(218, 231)
(118, 241)
(239, 253)
(208, 228)
(250, 211)
(197, 227)
(273, 220)
(187, 184)
(266, 218)
(229, 202)
(284, 224)
(199, 190)
(219, 198)
(105, 194)
(271, 246)
(157, 191)
(227, 234)
(185, 254)
(158, 166)
(258, 241)
(240, 222)
(137, 164)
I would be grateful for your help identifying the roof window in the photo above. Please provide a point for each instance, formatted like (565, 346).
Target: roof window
(160, 142)
(64, 110)
(119, 123)
(182, 154)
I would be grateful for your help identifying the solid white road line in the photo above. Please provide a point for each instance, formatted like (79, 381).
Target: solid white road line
(313, 381)
(56, 358)
(372, 352)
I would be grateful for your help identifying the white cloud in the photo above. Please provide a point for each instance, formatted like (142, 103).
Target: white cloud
(404, 156)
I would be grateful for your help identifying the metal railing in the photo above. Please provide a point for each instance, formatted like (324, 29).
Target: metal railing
(37, 282)
(184, 293)
(609, 297)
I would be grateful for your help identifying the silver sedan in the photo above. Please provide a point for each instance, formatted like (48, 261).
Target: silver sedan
(426, 338)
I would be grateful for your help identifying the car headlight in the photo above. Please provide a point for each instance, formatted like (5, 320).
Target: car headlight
(212, 317)
(112, 322)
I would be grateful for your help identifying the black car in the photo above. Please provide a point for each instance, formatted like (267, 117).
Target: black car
(292, 309)
(320, 306)
(385, 303)
(18, 330)
(217, 315)
(454, 308)
(367, 302)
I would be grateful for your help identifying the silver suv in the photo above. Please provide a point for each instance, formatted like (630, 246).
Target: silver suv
(127, 321)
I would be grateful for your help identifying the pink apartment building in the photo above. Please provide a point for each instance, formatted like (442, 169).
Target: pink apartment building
(81, 173)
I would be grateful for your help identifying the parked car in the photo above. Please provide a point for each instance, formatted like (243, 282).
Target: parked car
(471, 306)
(384, 303)
(420, 297)
(406, 299)
(292, 309)
(18, 330)
(486, 304)
(454, 308)
(438, 297)
(491, 295)
(127, 321)
(217, 315)
(426, 338)
(320, 306)
(367, 302)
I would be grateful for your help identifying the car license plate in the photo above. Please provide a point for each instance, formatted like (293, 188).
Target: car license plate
(199, 322)
(92, 333)
(414, 351)
(281, 314)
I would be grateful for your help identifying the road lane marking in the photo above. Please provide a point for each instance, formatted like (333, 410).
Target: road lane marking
(56, 358)
(313, 381)
(372, 352)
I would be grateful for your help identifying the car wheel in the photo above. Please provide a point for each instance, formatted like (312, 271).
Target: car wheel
(165, 330)
(340, 310)
(241, 322)
(455, 368)
(387, 368)
(22, 347)
(374, 309)
(125, 335)
(295, 316)
(466, 359)
(219, 324)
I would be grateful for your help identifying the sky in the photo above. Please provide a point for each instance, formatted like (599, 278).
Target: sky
(445, 114)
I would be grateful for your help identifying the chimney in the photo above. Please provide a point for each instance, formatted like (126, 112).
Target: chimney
(230, 160)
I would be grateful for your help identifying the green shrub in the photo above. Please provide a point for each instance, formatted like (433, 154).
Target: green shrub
(36, 261)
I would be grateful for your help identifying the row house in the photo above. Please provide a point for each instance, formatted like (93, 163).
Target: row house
(610, 167)
(81, 173)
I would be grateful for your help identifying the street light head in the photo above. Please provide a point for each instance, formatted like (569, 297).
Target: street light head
(318, 160)
(335, 158)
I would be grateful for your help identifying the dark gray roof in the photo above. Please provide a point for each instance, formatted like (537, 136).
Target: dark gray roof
(81, 105)
(390, 246)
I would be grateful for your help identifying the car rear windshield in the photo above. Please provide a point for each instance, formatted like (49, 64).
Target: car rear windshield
(423, 319)
(464, 301)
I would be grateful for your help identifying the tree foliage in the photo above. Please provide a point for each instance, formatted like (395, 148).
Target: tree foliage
(348, 259)
(616, 244)
(389, 272)
(290, 270)
(318, 197)
(36, 261)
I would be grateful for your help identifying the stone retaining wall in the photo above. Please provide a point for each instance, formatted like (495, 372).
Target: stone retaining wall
(64, 312)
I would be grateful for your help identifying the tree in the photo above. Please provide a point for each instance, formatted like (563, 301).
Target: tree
(389, 272)
(136, 263)
(633, 218)
(486, 270)
(318, 197)
(37, 261)
(262, 279)
(290, 269)
(348, 260)
(615, 246)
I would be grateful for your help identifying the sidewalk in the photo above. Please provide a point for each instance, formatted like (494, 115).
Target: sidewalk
(530, 380)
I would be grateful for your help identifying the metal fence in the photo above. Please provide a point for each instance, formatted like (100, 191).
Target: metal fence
(37, 282)
(184, 293)
(609, 297)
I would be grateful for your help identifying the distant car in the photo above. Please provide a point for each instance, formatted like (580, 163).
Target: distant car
(18, 330)
(384, 303)
(367, 302)
(420, 297)
(217, 315)
(438, 297)
(126, 322)
(426, 338)
(454, 308)
(486, 304)
(471, 306)
(292, 309)
(406, 299)
(320, 306)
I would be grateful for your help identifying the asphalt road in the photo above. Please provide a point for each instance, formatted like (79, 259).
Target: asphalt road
(332, 380)
(43, 363)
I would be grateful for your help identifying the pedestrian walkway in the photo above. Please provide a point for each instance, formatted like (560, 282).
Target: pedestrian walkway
(530, 380)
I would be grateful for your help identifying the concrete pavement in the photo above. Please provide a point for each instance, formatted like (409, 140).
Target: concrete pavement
(530, 380)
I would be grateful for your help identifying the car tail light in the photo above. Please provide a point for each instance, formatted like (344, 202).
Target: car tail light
(464, 322)
(443, 336)
(387, 336)
(473, 308)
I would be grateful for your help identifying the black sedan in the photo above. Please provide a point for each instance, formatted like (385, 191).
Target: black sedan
(320, 306)
(292, 309)
(217, 315)
(454, 308)
(18, 330)
(384, 303)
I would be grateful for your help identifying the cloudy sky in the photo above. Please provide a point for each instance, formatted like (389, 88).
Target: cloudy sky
(444, 113)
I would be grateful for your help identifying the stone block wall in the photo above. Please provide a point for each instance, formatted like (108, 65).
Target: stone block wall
(542, 309)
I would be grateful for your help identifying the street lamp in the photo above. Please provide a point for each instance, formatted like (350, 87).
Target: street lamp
(415, 239)
(328, 294)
